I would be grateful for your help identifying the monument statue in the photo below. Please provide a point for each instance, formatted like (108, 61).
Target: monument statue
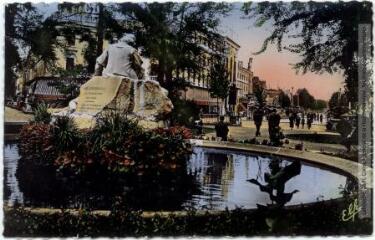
(119, 85)
(120, 59)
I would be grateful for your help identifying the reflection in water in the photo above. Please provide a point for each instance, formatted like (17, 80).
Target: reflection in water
(11, 158)
(276, 180)
(223, 177)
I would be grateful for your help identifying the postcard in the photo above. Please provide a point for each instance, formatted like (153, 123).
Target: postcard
(187, 119)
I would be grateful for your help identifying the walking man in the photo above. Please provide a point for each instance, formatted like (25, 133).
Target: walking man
(303, 121)
(258, 118)
(298, 120)
(310, 119)
(291, 121)
(273, 127)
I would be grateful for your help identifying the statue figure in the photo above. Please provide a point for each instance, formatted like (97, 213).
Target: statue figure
(120, 59)
(277, 179)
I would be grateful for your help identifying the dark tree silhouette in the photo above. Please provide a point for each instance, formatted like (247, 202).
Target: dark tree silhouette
(29, 40)
(284, 100)
(219, 84)
(327, 34)
(260, 95)
(169, 34)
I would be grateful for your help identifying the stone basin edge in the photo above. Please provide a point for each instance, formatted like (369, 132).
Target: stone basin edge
(335, 163)
(339, 164)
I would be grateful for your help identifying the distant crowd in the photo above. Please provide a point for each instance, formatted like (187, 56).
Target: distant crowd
(297, 118)
(300, 118)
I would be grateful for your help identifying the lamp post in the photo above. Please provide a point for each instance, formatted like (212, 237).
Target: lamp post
(291, 97)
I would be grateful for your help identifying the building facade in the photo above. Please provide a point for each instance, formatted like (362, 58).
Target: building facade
(238, 76)
(71, 50)
(244, 81)
(231, 59)
(199, 89)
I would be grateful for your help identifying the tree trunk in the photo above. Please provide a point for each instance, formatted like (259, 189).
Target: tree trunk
(100, 31)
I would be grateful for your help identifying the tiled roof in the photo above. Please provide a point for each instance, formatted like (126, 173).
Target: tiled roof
(47, 87)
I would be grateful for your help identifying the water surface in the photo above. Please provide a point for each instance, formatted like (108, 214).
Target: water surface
(219, 174)
(222, 175)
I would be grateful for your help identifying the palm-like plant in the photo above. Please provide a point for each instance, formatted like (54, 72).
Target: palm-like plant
(66, 134)
(41, 114)
(111, 131)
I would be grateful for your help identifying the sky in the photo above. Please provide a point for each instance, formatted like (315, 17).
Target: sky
(272, 66)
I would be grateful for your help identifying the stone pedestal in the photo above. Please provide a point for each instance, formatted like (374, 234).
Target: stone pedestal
(144, 100)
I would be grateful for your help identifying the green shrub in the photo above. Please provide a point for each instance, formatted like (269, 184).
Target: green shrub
(116, 146)
(66, 134)
(318, 219)
(124, 146)
(41, 114)
(184, 113)
(112, 130)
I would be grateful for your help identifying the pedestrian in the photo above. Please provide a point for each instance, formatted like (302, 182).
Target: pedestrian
(222, 129)
(303, 121)
(321, 118)
(291, 121)
(273, 127)
(258, 118)
(199, 126)
(310, 119)
(298, 120)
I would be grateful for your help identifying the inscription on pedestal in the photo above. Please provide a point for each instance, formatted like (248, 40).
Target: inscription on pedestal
(97, 93)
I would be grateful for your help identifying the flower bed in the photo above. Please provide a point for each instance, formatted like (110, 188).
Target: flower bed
(117, 158)
(116, 144)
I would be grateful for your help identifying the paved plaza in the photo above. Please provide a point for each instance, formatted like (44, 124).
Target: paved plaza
(247, 131)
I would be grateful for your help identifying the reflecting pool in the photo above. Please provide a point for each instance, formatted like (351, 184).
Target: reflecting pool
(220, 176)
(223, 175)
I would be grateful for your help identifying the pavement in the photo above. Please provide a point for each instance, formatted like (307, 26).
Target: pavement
(13, 115)
(247, 131)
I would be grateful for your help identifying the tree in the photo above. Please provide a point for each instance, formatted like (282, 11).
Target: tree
(168, 34)
(30, 40)
(260, 95)
(338, 104)
(337, 99)
(304, 98)
(326, 34)
(11, 54)
(320, 104)
(219, 81)
(284, 100)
